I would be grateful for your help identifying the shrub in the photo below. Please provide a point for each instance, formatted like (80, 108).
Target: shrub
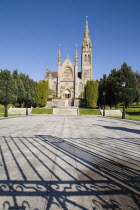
(91, 93)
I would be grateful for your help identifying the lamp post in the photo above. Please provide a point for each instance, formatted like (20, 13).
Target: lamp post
(123, 112)
(6, 97)
(27, 101)
(104, 103)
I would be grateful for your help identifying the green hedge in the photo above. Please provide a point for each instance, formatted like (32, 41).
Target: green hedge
(91, 93)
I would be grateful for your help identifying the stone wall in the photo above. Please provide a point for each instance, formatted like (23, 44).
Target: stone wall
(66, 103)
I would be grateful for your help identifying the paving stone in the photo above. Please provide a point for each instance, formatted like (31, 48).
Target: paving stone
(69, 162)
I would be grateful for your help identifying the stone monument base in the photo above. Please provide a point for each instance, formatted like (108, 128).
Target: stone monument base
(58, 103)
(66, 111)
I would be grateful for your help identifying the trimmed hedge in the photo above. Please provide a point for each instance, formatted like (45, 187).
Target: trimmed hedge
(91, 93)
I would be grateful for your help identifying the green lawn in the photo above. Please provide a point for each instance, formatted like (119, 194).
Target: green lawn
(41, 111)
(132, 110)
(107, 107)
(89, 111)
(129, 117)
(2, 107)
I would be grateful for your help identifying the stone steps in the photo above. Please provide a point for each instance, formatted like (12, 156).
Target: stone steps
(12, 110)
(65, 111)
(111, 112)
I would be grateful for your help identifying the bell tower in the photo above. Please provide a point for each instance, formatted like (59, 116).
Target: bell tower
(86, 57)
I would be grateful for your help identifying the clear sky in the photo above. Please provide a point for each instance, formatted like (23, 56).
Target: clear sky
(31, 31)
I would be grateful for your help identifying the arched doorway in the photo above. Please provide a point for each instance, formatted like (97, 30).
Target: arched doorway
(67, 94)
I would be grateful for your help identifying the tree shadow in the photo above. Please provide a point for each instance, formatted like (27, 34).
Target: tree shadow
(123, 129)
(66, 173)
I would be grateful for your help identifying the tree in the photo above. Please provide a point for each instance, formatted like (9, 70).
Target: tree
(91, 93)
(126, 74)
(19, 87)
(102, 86)
(138, 85)
(113, 86)
(29, 88)
(41, 93)
(7, 88)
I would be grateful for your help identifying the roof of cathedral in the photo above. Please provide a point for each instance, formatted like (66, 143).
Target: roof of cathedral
(53, 74)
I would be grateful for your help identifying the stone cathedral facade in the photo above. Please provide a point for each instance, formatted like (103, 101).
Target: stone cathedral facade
(68, 82)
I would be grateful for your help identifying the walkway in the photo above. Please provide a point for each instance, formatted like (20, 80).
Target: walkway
(69, 162)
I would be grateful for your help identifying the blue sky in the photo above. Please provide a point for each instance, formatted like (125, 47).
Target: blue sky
(31, 31)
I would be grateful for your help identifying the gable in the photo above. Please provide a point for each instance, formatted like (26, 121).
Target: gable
(68, 62)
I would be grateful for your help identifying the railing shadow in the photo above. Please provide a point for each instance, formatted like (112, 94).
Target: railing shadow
(41, 172)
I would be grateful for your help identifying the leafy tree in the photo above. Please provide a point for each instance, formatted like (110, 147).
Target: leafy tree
(51, 93)
(19, 87)
(113, 86)
(41, 93)
(7, 88)
(138, 89)
(91, 93)
(126, 74)
(102, 86)
(29, 89)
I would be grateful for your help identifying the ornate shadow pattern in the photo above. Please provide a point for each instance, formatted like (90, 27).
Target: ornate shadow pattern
(47, 172)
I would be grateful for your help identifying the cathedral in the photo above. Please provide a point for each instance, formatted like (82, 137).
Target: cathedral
(68, 82)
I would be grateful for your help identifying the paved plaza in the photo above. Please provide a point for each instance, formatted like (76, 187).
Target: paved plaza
(69, 162)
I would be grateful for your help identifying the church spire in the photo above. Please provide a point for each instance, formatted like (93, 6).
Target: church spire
(86, 34)
(76, 56)
(59, 56)
(86, 55)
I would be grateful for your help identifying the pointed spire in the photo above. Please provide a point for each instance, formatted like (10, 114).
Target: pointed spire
(59, 52)
(59, 55)
(76, 55)
(86, 35)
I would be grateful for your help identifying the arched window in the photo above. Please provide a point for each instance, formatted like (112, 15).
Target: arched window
(68, 73)
(85, 58)
(89, 58)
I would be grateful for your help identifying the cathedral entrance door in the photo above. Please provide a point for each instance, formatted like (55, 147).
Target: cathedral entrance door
(67, 94)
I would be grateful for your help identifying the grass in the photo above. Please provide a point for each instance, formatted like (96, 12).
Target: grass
(41, 111)
(107, 107)
(89, 111)
(128, 117)
(2, 107)
(132, 110)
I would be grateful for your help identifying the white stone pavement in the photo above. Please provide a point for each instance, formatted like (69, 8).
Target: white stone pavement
(69, 162)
